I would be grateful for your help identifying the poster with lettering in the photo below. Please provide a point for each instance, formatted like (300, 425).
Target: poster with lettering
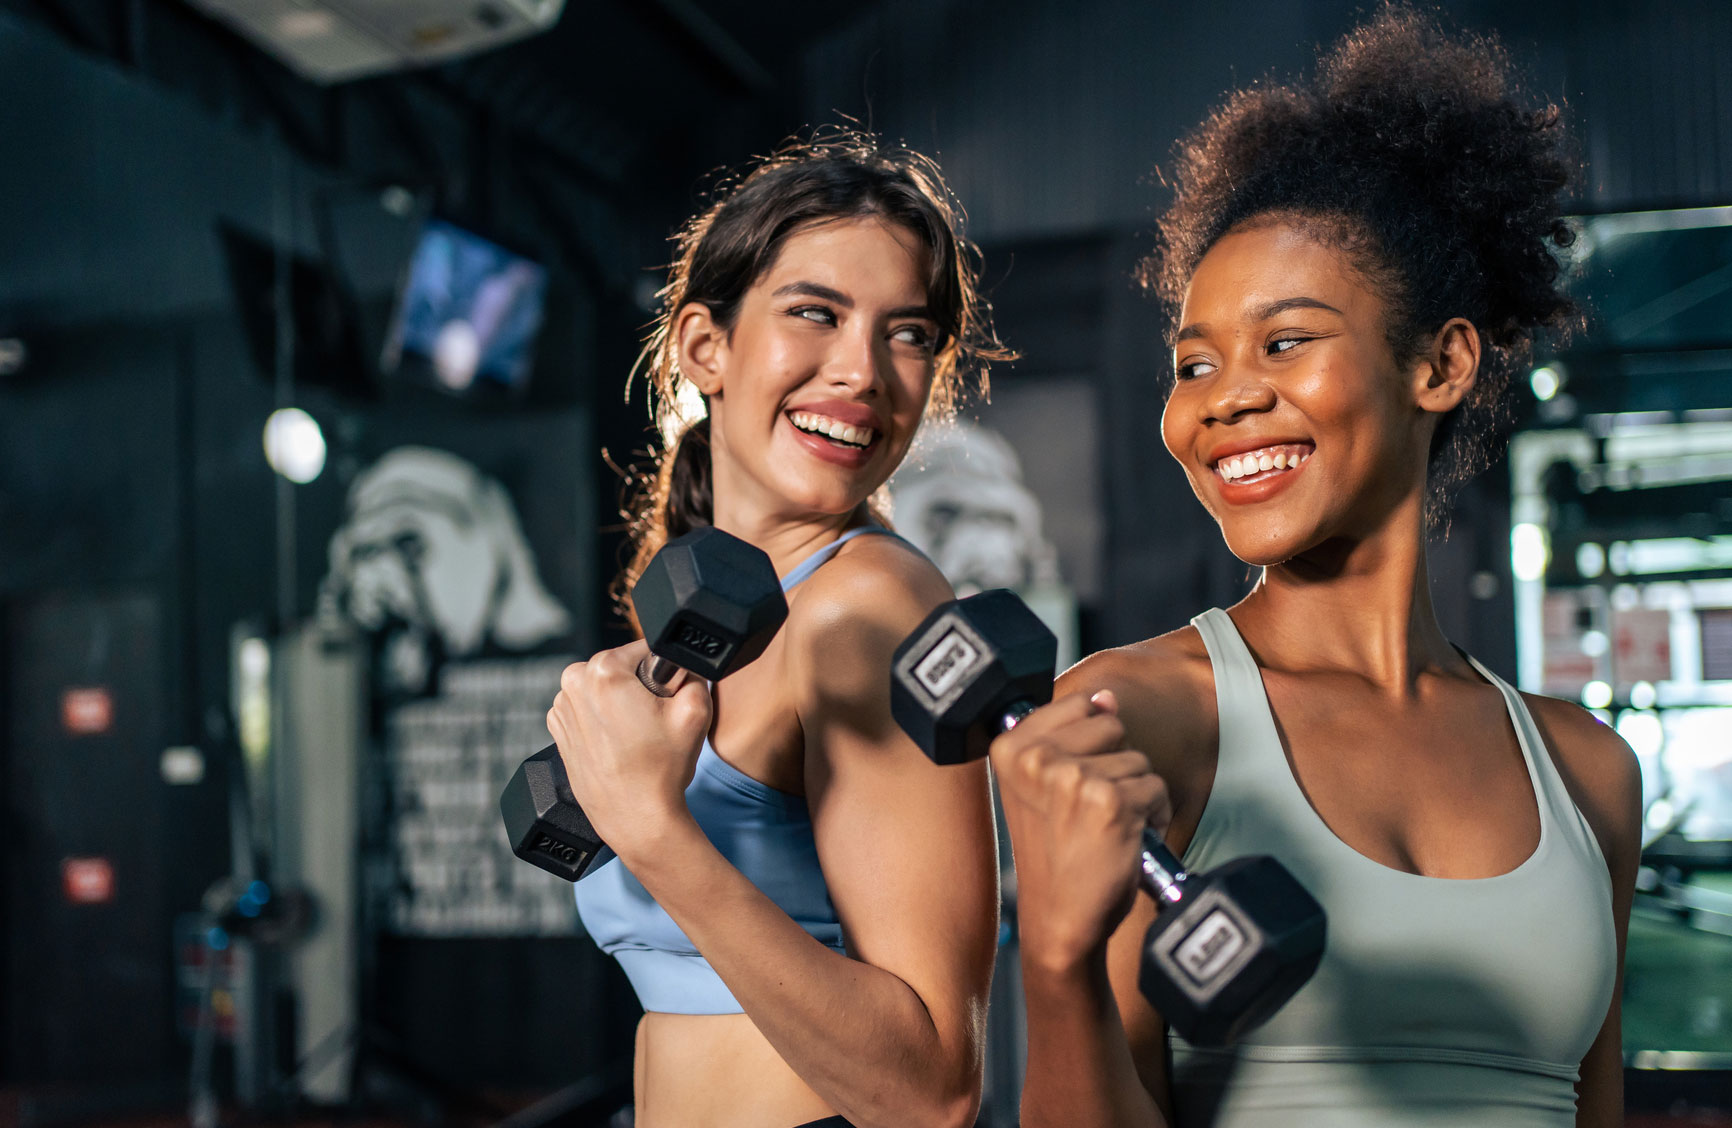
(447, 758)
(432, 562)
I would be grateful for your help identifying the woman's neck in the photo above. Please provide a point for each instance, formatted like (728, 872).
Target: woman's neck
(740, 504)
(1353, 605)
(787, 539)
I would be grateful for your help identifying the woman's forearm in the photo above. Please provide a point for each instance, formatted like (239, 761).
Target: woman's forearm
(1080, 1070)
(861, 1037)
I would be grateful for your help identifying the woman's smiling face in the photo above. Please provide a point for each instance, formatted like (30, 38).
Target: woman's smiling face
(818, 388)
(1290, 412)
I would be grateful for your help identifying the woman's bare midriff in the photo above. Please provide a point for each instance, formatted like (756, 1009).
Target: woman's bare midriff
(716, 1071)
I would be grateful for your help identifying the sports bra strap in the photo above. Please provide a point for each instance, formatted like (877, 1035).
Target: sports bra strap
(1241, 705)
(804, 569)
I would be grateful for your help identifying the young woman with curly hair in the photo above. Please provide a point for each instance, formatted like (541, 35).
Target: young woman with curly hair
(806, 906)
(1357, 266)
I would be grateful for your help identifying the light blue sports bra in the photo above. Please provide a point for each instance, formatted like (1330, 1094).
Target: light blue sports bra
(765, 833)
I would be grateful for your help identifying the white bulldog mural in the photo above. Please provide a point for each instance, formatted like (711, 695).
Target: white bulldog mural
(960, 498)
(432, 552)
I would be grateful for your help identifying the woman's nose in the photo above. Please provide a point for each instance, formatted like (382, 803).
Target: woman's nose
(1235, 391)
(854, 363)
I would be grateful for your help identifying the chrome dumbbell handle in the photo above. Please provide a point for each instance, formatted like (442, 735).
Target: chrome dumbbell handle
(1164, 876)
(657, 675)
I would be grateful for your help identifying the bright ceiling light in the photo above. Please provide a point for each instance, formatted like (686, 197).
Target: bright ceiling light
(294, 445)
(1545, 381)
(1528, 551)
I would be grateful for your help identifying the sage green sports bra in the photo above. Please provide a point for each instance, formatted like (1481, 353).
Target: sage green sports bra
(1439, 1002)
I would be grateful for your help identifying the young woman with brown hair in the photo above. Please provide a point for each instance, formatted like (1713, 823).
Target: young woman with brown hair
(806, 906)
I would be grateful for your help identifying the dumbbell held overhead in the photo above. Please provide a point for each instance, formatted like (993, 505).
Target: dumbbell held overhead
(708, 604)
(1228, 947)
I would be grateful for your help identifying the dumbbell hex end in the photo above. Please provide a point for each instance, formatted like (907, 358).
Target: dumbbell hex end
(542, 819)
(1243, 941)
(971, 659)
(709, 602)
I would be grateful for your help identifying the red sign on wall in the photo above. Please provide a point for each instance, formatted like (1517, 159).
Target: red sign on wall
(87, 711)
(87, 881)
(1642, 642)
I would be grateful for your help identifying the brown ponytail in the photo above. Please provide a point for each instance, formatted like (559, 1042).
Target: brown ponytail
(723, 250)
(690, 503)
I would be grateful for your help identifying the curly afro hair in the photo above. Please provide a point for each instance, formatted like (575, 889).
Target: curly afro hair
(1415, 152)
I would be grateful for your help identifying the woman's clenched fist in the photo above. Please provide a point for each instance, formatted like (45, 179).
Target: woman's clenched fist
(1076, 803)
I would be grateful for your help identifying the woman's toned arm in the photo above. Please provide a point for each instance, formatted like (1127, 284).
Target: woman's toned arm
(1076, 806)
(1603, 778)
(910, 854)
(892, 1036)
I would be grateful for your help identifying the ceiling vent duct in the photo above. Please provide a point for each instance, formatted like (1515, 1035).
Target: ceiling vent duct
(329, 41)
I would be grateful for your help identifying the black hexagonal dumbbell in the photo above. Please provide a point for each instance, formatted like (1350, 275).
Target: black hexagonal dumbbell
(1228, 947)
(708, 603)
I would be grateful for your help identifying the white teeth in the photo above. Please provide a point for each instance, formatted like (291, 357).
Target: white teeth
(833, 428)
(1260, 462)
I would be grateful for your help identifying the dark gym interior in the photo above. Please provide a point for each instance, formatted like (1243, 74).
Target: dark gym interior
(250, 864)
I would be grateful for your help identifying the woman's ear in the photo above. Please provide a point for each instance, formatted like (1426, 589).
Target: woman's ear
(702, 346)
(1448, 370)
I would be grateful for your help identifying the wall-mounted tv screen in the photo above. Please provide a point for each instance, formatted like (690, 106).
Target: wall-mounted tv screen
(468, 316)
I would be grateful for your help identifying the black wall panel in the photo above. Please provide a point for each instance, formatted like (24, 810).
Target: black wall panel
(87, 985)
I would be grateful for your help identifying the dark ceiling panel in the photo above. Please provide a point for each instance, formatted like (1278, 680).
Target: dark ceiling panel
(619, 90)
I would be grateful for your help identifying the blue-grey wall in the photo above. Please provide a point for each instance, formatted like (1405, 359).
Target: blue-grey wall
(131, 468)
(1053, 118)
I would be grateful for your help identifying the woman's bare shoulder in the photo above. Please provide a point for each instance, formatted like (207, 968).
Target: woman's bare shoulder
(845, 622)
(870, 580)
(1166, 696)
(1167, 670)
(1598, 769)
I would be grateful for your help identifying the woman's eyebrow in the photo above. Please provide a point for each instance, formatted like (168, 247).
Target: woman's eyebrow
(1282, 305)
(815, 290)
(1261, 313)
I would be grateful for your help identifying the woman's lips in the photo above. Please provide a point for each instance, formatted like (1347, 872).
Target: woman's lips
(1259, 485)
(834, 453)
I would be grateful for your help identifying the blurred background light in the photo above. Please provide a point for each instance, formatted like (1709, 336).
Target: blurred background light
(1529, 552)
(1545, 381)
(1660, 814)
(689, 407)
(294, 445)
(1619, 558)
(13, 355)
(1642, 730)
